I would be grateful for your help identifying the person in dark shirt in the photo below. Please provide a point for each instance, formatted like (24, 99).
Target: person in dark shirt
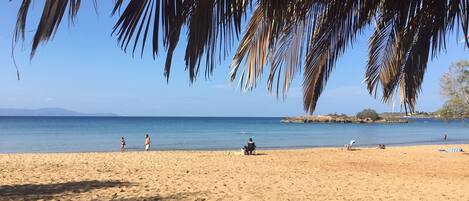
(122, 144)
(250, 147)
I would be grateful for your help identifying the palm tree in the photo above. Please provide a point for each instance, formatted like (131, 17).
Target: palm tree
(286, 36)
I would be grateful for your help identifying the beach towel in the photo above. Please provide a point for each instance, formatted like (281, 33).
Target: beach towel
(454, 149)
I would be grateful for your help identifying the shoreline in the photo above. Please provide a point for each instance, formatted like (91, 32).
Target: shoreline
(297, 174)
(463, 142)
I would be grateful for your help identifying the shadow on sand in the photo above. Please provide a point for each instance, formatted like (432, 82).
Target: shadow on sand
(48, 191)
(197, 196)
(352, 149)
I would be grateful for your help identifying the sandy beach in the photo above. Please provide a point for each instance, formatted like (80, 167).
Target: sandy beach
(396, 173)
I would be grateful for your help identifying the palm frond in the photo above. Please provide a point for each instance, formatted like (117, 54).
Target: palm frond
(201, 37)
(208, 22)
(388, 47)
(117, 6)
(212, 23)
(49, 22)
(21, 20)
(381, 50)
(137, 14)
(270, 40)
(399, 50)
(338, 24)
(287, 54)
(463, 12)
(279, 35)
(253, 46)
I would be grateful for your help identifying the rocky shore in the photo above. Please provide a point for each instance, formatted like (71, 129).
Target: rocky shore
(339, 119)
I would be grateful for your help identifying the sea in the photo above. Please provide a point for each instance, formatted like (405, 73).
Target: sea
(97, 134)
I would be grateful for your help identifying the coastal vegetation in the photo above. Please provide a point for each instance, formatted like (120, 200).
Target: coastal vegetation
(282, 38)
(368, 114)
(416, 114)
(365, 116)
(455, 87)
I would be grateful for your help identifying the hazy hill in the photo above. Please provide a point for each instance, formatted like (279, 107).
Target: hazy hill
(47, 112)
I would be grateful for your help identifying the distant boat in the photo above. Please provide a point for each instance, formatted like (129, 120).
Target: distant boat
(244, 132)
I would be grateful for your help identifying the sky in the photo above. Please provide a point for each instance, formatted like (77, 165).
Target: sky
(83, 69)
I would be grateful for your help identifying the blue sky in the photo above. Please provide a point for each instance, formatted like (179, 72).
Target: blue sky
(83, 69)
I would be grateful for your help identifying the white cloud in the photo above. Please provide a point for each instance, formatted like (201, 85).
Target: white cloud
(221, 86)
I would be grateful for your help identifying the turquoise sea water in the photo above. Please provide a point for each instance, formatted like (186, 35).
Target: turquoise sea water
(76, 134)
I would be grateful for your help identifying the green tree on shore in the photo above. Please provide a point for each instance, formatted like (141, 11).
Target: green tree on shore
(455, 87)
(368, 114)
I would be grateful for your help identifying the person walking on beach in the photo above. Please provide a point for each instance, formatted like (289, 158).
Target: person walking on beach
(446, 137)
(147, 142)
(122, 144)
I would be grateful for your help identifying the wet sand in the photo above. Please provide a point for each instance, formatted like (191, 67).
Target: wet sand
(396, 173)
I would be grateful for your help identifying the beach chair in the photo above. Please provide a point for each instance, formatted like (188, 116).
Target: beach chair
(349, 145)
(250, 149)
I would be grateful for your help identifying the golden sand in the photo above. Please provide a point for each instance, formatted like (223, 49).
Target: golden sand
(397, 173)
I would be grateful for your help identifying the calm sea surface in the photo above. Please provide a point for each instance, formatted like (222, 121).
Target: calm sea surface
(76, 134)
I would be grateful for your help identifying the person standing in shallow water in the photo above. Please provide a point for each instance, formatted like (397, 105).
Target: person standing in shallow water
(147, 142)
(122, 144)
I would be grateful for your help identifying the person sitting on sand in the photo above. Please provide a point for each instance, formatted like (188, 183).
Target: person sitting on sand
(147, 142)
(250, 147)
(122, 144)
(381, 146)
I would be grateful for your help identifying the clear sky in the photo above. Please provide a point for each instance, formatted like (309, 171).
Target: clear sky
(83, 69)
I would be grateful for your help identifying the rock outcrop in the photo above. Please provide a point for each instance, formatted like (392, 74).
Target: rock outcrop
(339, 119)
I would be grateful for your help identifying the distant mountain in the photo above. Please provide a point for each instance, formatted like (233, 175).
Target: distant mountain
(47, 112)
